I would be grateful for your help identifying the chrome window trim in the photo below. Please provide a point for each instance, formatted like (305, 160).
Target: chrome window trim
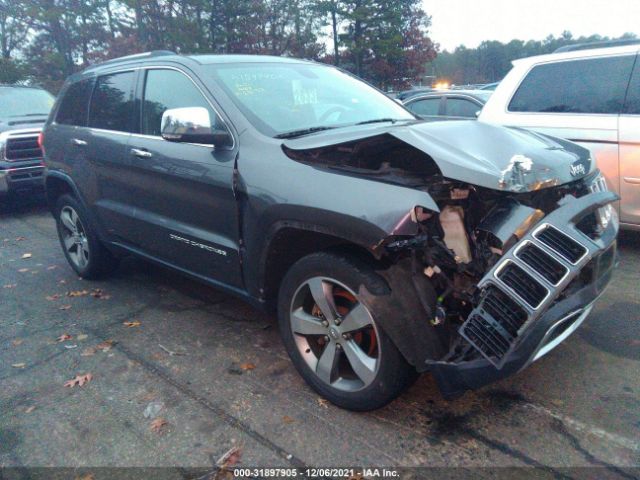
(545, 225)
(140, 135)
(503, 284)
(549, 252)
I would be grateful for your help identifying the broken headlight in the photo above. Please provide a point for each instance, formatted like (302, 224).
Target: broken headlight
(604, 215)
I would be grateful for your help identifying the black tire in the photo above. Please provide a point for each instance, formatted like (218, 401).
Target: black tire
(98, 260)
(393, 374)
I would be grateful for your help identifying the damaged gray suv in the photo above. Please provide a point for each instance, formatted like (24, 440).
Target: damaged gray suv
(387, 245)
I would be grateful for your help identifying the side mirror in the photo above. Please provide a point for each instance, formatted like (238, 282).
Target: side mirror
(193, 125)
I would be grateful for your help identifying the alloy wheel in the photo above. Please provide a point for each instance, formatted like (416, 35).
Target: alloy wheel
(74, 237)
(335, 334)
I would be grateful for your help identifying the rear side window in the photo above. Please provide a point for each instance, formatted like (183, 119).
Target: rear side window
(632, 104)
(112, 102)
(576, 86)
(428, 106)
(459, 107)
(75, 104)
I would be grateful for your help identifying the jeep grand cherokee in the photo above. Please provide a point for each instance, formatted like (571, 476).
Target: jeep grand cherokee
(387, 245)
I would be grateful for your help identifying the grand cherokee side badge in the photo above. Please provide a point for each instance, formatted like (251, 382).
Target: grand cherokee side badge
(196, 244)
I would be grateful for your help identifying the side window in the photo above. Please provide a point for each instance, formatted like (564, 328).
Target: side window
(74, 106)
(112, 102)
(632, 105)
(459, 107)
(165, 89)
(577, 86)
(428, 106)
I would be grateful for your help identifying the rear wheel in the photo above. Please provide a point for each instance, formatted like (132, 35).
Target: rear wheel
(334, 339)
(80, 244)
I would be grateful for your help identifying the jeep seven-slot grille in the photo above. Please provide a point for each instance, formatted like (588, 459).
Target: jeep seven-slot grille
(561, 243)
(493, 326)
(22, 148)
(542, 263)
(527, 287)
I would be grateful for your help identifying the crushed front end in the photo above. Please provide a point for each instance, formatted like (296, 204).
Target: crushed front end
(513, 274)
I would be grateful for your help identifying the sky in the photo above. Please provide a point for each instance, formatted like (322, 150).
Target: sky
(469, 22)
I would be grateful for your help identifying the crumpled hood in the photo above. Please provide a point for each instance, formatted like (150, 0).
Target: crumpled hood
(477, 153)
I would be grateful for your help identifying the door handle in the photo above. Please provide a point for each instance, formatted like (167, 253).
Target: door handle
(141, 153)
(632, 180)
(78, 143)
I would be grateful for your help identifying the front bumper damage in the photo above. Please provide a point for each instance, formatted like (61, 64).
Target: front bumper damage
(534, 297)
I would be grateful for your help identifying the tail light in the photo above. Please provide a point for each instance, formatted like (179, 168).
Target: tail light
(41, 143)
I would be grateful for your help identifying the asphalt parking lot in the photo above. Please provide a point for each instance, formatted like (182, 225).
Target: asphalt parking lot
(220, 377)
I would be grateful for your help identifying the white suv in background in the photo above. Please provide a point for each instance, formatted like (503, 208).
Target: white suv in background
(591, 97)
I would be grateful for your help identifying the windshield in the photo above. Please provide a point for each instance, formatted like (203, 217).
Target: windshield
(280, 98)
(21, 102)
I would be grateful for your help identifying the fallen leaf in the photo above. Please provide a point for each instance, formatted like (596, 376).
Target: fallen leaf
(82, 336)
(86, 476)
(16, 342)
(23, 270)
(79, 380)
(106, 345)
(231, 457)
(64, 337)
(157, 424)
(247, 366)
(69, 347)
(10, 285)
(51, 267)
(323, 402)
(30, 409)
(27, 255)
(88, 352)
(77, 293)
(19, 239)
(64, 307)
(62, 282)
(287, 419)
(19, 365)
(55, 296)
(134, 323)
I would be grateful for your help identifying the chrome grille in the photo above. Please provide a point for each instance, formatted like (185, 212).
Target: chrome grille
(564, 245)
(523, 284)
(542, 263)
(23, 147)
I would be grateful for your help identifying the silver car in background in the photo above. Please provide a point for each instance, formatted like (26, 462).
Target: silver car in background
(591, 97)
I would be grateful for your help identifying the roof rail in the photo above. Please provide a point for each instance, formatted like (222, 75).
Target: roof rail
(154, 53)
(602, 44)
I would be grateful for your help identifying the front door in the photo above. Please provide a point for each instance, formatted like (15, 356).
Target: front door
(183, 193)
(630, 152)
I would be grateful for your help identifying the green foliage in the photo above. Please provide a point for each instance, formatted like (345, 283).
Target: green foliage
(11, 71)
(491, 60)
(382, 40)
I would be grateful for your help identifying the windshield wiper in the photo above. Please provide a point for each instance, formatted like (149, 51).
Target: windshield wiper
(304, 131)
(378, 120)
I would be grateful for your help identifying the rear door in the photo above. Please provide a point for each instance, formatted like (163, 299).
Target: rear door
(630, 152)
(111, 120)
(461, 108)
(182, 193)
(429, 108)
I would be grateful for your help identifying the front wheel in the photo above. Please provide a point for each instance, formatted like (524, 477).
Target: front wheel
(334, 339)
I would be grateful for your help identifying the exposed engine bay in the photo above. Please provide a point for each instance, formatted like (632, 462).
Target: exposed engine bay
(450, 253)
